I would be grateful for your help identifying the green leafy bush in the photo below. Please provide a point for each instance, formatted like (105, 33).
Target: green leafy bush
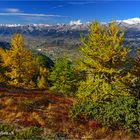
(10, 132)
(5, 128)
(63, 77)
(7, 132)
(116, 113)
(29, 133)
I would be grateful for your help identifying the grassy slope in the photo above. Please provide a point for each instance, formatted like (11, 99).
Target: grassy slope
(50, 112)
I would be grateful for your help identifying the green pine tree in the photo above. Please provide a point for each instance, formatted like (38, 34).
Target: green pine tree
(62, 76)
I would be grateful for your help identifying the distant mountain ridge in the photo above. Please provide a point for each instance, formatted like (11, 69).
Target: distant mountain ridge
(31, 29)
(131, 26)
(55, 39)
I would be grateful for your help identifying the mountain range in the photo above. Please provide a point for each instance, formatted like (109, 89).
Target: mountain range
(55, 39)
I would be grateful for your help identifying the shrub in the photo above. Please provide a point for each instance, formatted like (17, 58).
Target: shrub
(5, 128)
(29, 133)
(6, 132)
(119, 112)
(9, 132)
(62, 77)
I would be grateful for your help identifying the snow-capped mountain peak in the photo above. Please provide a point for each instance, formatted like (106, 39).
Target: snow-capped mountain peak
(77, 22)
(130, 21)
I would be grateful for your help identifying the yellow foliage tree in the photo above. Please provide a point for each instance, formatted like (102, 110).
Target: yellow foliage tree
(3, 77)
(20, 63)
(102, 49)
(104, 60)
(42, 78)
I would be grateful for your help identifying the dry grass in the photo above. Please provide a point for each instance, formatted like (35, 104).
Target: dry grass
(49, 112)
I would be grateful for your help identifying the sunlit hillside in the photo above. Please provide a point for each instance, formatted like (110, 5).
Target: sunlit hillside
(69, 70)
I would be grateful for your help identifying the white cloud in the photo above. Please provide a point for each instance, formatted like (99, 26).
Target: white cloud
(12, 10)
(29, 14)
(130, 21)
(77, 22)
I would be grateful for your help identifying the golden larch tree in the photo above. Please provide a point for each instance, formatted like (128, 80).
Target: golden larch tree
(20, 63)
(105, 62)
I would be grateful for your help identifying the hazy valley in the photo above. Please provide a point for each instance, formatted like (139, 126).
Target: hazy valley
(53, 40)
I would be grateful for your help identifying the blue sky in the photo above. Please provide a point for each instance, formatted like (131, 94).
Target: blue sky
(64, 11)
